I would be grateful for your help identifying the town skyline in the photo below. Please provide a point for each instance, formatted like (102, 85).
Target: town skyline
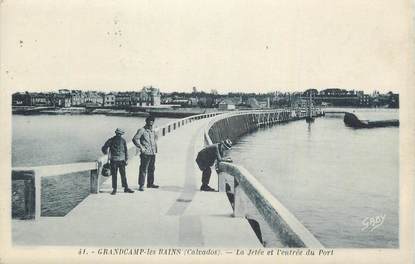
(207, 90)
(154, 97)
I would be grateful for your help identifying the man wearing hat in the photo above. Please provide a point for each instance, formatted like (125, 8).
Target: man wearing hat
(118, 159)
(207, 157)
(146, 141)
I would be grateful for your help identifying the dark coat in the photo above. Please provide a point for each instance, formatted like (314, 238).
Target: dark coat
(118, 148)
(207, 156)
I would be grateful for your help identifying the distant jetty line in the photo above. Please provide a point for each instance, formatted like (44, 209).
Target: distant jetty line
(352, 120)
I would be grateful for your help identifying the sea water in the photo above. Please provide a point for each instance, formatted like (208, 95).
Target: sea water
(341, 183)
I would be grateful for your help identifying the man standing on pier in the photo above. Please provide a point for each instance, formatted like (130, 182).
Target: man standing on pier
(145, 140)
(118, 159)
(207, 157)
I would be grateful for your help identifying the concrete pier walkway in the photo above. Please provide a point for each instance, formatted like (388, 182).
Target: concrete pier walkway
(175, 215)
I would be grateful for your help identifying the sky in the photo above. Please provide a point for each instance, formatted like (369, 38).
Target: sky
(239, 46)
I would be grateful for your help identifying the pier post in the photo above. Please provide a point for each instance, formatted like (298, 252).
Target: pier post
(30, 199)
(239, 205)
(29, 195)
(94, 179)
(38, 191)
(221, 182)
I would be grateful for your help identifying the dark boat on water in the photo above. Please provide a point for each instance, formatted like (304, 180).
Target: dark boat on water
(352, 120)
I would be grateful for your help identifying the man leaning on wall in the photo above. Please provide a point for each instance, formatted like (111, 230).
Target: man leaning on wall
(206, 158)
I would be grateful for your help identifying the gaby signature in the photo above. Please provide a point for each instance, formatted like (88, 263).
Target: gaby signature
(372, 222)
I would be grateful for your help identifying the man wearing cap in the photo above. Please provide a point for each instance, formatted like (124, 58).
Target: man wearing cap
(146, 141)
(118, 159)
(207, 157)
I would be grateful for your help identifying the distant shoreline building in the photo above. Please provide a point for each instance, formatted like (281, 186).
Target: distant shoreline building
(342, 97)
(109, 100)
(226, 104)
(122, 100)
(61, 100)
(94, 99)
(150, 96)
(77, 98)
